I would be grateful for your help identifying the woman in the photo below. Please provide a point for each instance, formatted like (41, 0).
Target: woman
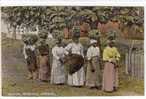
(93, 75)
(43, 61)
(58, 72)
(29, 52)
(110, 75)
(76, 79)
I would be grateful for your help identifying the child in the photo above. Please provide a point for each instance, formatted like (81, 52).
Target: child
(43, 61)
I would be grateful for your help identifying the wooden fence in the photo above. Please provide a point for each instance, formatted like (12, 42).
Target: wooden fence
(135, 64)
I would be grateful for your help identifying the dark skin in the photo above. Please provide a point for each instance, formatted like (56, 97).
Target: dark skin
(94, 45)
(111, 44)
(59, 44)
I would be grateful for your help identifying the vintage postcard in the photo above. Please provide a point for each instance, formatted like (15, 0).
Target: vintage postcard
(72, 50)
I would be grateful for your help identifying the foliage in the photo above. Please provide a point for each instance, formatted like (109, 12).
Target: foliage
(58, 34)
(55, 18)
(94, 34)
(111, 35)
(29, 38)
(43, 35)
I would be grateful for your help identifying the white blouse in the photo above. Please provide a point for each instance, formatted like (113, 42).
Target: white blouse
(75, 48)
(58, 52)
(92, 52)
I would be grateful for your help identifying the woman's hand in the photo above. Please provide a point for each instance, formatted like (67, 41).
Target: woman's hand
(61, 60)
(92, 70)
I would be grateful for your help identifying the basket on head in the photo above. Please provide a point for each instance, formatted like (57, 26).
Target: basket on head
(29, 39)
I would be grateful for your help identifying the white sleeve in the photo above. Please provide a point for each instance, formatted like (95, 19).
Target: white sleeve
(33, 47)
(55, 53)
(68, 48)
(64, 52)
(89, 54)
(98, 51)
(82, 51)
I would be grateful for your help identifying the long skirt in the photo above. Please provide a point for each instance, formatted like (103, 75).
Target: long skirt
(77, 79)
(93, 79)
(44, 68)
(57, 72)
(110, 77)
(32, 64)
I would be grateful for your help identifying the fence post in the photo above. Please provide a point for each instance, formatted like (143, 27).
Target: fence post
(126, 63)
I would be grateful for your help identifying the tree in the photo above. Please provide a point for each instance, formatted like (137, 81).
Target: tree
(55, 18)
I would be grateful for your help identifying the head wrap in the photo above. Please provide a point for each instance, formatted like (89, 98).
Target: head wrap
(92, 41)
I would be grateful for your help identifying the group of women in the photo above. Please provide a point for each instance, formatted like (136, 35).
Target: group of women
(40, 68)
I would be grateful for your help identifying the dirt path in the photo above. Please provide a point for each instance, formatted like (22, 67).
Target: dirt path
(13, 67)
(14, 80)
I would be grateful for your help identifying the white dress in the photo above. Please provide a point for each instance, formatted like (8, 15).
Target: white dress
(78, 78)
(57, 71)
